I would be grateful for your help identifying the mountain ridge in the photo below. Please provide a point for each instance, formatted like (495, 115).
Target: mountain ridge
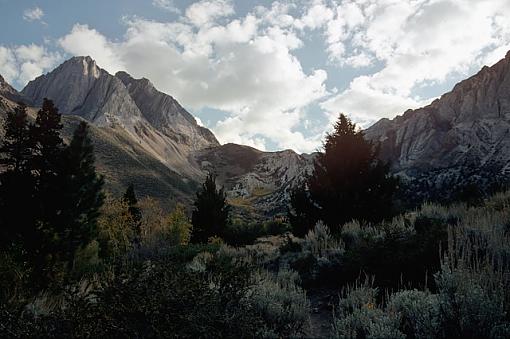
(462, 136)
(141, 117)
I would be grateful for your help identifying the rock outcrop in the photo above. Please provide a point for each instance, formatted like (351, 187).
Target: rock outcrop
(256, 180)
(465, 131)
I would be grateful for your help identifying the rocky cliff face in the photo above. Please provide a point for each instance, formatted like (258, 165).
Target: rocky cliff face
(465, 131)
(80, 87)
(153, 119)
(166, 115)
(255, 180)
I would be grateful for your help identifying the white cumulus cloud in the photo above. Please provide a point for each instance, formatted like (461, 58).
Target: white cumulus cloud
(22, 63)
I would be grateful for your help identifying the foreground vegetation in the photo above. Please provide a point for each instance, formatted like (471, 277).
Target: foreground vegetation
(434, 272)
(81, 263)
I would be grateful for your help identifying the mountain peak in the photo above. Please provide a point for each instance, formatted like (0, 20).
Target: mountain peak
(85, 64)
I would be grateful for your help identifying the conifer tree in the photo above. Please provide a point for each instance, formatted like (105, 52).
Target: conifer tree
(17, 147)
(211, 212)
(348, 182)
(134, 210)
(17, 182)
(303, 214)
(48, 163)
(82, 195)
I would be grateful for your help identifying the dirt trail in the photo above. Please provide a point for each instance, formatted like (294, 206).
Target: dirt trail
(321, 318)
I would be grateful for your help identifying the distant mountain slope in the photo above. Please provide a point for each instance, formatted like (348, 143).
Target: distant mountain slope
(122, 161)
(255, 180)
(464, 133)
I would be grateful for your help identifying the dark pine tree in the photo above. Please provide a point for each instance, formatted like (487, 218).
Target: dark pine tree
(303, 214)
(17, 182)
(349, 181)
(82, 195)
(50, 144)
(211, 212)
(48, 162)
(136, 213)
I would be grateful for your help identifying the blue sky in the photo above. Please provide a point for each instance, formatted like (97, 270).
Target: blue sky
(271, 74)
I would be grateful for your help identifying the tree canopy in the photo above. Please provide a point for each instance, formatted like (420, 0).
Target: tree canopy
(211, 211)
(348, 182)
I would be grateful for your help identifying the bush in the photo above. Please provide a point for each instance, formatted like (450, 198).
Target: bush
(418, 312)
(281, 302)
(358, 316)
(321, 243)
(239, 233)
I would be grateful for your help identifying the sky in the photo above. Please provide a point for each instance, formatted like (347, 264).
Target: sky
(269, 74)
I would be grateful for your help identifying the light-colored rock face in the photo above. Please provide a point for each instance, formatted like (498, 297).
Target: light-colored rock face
(80, 87)
(166, 115)
(469, 126)
(253, 179)
(155, 120)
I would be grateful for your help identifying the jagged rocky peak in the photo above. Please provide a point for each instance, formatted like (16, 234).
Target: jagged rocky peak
(468, 126)
(80, 87)
(165, 114)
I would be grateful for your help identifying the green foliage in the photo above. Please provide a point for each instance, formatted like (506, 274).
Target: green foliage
(348, 182)
(115, 229)
(17, 146)
(17, 184)
(418, 312)
(161, 229)
(211, 212)
(321, 243)
(170, 295)
(179, 226)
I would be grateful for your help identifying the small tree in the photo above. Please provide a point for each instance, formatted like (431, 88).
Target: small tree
(211, 212)
(180, 228)
(115, 229)
(348, 182)
(134, 210)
